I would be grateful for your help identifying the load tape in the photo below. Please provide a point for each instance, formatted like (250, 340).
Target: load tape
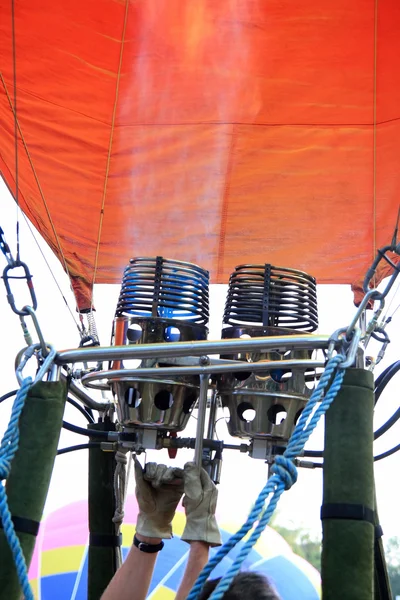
(105, 540)
(354, 512)
(23, 525)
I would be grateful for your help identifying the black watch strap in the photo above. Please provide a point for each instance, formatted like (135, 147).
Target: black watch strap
(145, 547)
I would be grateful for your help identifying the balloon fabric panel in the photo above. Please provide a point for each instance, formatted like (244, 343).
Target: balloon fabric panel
(216, 133)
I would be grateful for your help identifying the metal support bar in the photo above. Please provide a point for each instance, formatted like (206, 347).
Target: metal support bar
(192, 361)
(81, 395)
(209, 444)
(211, 417)
(160, 350)
(167, 372)
(55, 373)
(201, 418)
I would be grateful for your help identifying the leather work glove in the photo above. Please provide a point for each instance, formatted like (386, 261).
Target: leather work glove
(158, 491)
(200, 502)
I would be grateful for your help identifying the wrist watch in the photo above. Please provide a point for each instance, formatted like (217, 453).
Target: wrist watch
(145, 547)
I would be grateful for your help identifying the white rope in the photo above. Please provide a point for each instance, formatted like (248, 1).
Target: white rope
(120, 486)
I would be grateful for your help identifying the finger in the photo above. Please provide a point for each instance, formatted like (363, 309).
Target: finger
(177, 483)
(143, 489)
(192, 482)
(170, 474)
(161, 476)
(175, 479)
(206, 482)
(177, 473)
(151, 471)
(138, 471)
(164, 475)
(173, 476)
(155, 474)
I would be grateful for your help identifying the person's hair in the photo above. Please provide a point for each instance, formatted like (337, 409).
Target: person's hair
(245, 586)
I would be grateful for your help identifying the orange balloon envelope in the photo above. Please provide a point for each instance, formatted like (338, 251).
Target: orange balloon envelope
(236, 131)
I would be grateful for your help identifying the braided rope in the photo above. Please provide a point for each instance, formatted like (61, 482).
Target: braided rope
(284, 476)
(8, 449)
(120, 484)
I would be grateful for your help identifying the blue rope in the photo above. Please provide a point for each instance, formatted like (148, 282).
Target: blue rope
(8, 448)
(284, 476)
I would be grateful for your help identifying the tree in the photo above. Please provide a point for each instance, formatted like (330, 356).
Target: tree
(392, 554)
(302, 543)
(309, 548)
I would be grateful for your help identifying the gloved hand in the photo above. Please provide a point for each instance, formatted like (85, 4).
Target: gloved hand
(200, 502)
(158, 491)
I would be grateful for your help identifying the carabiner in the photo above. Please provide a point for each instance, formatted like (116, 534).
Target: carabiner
(10, 298)
(47, 364)
(337, 337)
(351, 352)
(28, 353)
(30, 311)
(349, 347)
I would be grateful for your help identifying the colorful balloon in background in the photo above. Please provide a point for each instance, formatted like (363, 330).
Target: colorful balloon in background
(59, 565)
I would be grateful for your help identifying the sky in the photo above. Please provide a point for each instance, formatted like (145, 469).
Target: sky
(242, 477)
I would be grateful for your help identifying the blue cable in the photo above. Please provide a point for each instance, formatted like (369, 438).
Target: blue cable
(8, 448)
(284, 476)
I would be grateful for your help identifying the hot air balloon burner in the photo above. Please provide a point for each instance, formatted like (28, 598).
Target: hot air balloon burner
(264, 300)
(161, 301)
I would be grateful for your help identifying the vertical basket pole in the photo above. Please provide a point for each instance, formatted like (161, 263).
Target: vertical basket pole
(102, 559)
(348, 492)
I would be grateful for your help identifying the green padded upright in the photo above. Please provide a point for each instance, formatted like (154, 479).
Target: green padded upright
(382, 581)
(348, 545)
(28, 483)
(102, 558)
